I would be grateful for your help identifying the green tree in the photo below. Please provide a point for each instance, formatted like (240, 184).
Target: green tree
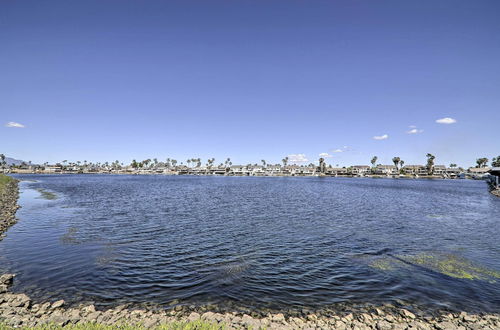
(396, 161)
(430, 163)
(374, 160)
(495, 162)
(2, 160)
(453, 165)
(482, 162)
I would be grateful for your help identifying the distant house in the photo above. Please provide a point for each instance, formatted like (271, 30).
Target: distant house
(336, 171)
(440, 170)
(478, 172)
(258, 170)
(415, 170)
(453, 171)
(360, 169)
(385, 170)
(495, 177)
(305, 171)
(53, 168)
(273, 170)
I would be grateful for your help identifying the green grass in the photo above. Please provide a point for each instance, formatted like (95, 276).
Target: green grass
(4, 180)
(194, 325)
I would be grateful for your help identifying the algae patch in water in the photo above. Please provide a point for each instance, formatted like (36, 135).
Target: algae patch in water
(384, 264)
(46, 194)
(454, 266)
(447, 264)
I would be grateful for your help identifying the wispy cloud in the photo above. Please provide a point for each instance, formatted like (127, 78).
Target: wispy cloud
(297, 158)
(381, 137)
(14, 124)
(325, 155)
(414, 130)
(343, 149)
(446, 120)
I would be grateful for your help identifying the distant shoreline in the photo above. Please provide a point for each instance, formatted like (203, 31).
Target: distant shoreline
(372, 176)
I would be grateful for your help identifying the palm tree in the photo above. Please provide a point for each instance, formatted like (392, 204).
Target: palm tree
(374, 160)
(430, 163)
(285, 161)
(482, 162)
(396, 161)
(188, 161)
(495, 162)
(263, 163)
(452, 165)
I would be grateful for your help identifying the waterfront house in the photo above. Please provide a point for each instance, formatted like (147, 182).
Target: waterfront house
(495, 177)
(258, 170)
(439, 170)
(360, 169)
(273, 170)
(385, 170)
(336, 171)
(53, 168)
(478, 172)
(415, 170)
(453, 172)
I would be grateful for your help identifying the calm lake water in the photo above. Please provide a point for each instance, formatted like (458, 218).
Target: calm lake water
(256, 242)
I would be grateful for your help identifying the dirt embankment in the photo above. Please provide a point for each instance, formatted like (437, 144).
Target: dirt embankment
(9, 193)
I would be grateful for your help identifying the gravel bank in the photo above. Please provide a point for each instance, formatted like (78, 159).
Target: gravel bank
(9, 193)
(17, 310)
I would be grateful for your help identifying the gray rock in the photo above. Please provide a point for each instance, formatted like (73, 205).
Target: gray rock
(407, 314)
(193, 316)
(278, 318)
(383, 325)
(6, 279)
(58, 304)
(446, 325)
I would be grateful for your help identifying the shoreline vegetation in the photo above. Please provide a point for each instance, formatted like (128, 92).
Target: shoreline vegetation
(19, 311)
(9, 193)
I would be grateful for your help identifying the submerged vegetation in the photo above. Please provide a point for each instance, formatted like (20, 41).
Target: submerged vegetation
(447, 264)
(46, 194)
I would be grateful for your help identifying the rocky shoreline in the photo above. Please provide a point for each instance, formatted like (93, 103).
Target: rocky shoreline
(17, 310)
(9, 193)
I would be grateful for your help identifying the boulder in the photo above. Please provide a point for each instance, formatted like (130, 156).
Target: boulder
(58, 304)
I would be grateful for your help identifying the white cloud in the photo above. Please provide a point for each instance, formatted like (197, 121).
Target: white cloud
(412, 126)
(325, 155)
(298, 158)
(381, 137)
(446, 120)
(338, 150)
(415, 131)
(14, 124)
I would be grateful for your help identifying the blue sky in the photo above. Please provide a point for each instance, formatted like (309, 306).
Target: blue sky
(251, 80)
